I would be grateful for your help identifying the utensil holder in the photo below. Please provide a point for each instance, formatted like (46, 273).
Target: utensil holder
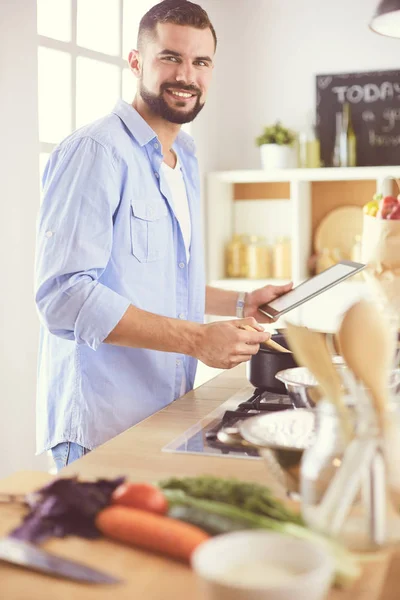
(344, 484)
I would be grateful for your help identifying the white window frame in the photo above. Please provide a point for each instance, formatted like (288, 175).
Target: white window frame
(75, 51)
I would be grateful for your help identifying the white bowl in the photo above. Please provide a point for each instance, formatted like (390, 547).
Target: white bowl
(221, 562)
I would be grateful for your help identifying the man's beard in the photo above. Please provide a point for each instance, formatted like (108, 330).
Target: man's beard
(159, 106)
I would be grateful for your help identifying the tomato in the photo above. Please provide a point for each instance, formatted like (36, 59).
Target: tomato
(141, 495)
(395, 214)
(386, 206)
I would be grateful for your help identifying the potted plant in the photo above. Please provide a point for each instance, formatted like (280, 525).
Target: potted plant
(276, 144)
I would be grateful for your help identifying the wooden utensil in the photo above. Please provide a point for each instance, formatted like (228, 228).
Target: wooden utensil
(275, 346)
(310, 350)
(271, 343)
(366, 345)
(390, 590)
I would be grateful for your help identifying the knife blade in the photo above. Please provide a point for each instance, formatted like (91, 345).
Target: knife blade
(24, 554)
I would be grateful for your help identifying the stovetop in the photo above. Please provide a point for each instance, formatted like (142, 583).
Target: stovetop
(202, 438)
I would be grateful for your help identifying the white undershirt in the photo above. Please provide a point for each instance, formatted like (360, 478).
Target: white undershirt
(177, 188)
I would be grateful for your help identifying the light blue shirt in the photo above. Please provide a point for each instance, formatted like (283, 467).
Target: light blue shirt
(107, 238)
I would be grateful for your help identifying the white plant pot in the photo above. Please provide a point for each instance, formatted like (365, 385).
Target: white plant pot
(274, 156)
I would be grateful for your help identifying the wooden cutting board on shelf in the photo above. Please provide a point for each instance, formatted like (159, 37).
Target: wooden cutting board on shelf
(338, 230)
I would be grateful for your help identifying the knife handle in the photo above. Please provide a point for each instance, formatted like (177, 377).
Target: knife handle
(12, 498)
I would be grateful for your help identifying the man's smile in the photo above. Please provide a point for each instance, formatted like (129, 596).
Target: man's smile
(181, 95)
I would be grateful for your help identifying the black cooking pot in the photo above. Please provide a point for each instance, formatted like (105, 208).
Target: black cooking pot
(263, 366)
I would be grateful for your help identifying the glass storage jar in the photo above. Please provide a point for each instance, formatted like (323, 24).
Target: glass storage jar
(282, 258)
(257, 258)
(233, 257)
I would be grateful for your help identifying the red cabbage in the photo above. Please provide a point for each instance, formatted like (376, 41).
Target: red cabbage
(64, 507)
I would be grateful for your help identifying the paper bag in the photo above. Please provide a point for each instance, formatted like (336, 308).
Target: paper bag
(380, 250)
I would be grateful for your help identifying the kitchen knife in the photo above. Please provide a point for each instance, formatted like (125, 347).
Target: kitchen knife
(27, 555)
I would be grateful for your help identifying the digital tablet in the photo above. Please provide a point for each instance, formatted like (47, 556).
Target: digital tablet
(311, 288)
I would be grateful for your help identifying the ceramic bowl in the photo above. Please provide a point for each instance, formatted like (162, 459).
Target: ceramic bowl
(300, 385)
(241, 565)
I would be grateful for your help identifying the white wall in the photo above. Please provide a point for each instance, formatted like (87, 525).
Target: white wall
(19, 193)
(267, 59)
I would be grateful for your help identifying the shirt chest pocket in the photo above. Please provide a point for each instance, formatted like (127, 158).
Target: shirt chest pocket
(150, 229)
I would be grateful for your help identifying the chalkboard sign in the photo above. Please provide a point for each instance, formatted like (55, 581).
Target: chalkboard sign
(374, 100)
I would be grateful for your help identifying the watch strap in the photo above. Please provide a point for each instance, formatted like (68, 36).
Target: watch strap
(241, 301)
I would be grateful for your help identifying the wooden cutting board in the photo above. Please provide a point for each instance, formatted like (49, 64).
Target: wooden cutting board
(391, 586)
(174, 581)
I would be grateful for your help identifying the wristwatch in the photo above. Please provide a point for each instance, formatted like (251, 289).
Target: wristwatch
(241, 301)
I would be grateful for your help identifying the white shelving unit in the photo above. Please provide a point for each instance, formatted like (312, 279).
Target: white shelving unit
(324, 311)
(220, 207)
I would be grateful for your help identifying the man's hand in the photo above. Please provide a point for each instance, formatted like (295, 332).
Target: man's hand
(225, 344)
(262, 296)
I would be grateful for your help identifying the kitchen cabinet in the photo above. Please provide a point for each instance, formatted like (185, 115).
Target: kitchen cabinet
(309, 194)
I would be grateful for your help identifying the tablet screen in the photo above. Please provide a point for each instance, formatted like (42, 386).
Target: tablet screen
(312, 286)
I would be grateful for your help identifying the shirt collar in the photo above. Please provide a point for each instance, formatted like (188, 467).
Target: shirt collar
(186, 141)
(138, 127)
(142, 131)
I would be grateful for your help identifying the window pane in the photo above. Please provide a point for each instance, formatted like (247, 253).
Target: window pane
(97, 89)
(54, 19)
(54, 83)
(98, 26)
(129, 84)
(133, 12)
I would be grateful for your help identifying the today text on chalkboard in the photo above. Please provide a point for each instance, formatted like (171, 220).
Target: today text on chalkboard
(374, 99)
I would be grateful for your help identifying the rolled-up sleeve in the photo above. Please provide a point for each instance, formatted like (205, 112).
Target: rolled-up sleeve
(74, 243)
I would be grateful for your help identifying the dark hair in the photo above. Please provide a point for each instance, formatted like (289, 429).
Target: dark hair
(179, 12)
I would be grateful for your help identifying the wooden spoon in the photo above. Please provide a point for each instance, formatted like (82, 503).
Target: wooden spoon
(310, 350)
(366, 345)
(271, 343)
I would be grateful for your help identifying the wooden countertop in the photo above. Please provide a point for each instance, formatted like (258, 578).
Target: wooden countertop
(136, 453)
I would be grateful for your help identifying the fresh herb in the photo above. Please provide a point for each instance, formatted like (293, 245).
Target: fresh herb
(347, 568)
(250, 496)
(64, 507)
(211, 522)
(250, 519)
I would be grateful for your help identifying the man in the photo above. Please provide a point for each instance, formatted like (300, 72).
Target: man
(119, 278)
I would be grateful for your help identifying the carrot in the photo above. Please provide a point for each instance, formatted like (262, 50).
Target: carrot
(140, 495)
(149, 531)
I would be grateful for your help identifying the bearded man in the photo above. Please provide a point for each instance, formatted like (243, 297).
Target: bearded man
(120, 286)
